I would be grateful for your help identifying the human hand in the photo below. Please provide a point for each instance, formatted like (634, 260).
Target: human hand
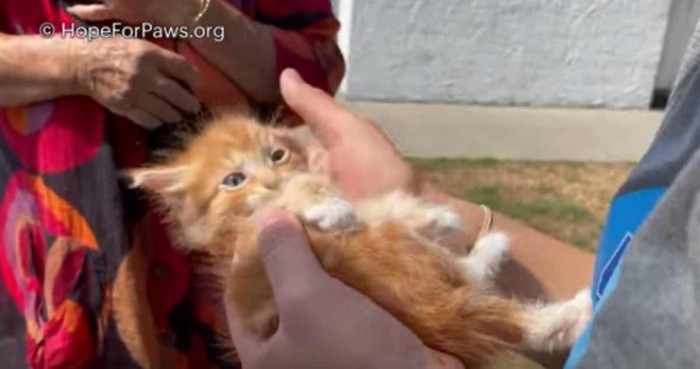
(161, 12)
(359, 156)
(362, 160)
(136, 79)
(322, 322)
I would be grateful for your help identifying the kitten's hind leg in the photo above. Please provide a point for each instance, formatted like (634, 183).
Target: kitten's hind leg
(554, 327)
(487, 257)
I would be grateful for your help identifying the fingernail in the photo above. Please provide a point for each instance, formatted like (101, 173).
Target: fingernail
(293, 75)
(289, 81)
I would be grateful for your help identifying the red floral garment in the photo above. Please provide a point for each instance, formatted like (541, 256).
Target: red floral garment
(88, 275)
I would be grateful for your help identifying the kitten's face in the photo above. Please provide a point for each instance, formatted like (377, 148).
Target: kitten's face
(229, 170)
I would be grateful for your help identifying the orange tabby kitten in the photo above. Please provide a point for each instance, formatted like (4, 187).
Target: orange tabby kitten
(387, 248)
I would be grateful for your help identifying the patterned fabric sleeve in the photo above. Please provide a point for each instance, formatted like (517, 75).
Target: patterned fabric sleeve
(305, 39)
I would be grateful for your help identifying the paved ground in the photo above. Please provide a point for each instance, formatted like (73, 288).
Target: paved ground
(453, 131)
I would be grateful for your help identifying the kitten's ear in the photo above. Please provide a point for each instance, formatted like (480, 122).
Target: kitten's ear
(165, 179)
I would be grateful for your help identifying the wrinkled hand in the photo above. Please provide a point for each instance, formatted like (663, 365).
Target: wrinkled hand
(161, 12)
(137, 79)
(322, 322)
(358, 155)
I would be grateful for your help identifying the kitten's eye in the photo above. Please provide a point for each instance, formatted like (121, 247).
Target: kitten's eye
(234, 180)
(278, 155)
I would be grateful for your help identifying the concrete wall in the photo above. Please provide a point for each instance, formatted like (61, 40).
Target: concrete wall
(505, 52)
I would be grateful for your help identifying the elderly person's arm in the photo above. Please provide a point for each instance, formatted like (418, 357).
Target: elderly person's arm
(35, 69)
(302, 37)
(298, 34)
(132, 78)
(323, 323)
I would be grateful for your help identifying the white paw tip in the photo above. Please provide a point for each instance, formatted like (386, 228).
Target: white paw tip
(584, 306)
(582, 300)
(332, 214)
(496, 243)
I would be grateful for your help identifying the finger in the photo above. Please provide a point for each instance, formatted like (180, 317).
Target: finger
(324, 116)
(317, 159)
(93, 13)
(176, 95)
(291, 266)
(158, 108)
(328, 120)
(246, 342)
(179, 68)
(144, 119)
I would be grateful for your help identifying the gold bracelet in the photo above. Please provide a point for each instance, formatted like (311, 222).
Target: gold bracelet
(205, 7)
(487, 223)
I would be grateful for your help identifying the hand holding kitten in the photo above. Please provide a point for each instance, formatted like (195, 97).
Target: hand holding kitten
(322, 322)
(296, 275)
(373, 169)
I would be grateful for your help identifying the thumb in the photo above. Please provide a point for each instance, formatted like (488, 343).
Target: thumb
(291, 266)
(326, 118)
(92, 13)
(329, 121)
(244, 340)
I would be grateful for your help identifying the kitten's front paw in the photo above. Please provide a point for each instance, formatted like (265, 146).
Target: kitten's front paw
(331, 215)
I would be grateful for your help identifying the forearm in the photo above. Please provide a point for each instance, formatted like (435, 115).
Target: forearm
(246, 54)
(33, 69)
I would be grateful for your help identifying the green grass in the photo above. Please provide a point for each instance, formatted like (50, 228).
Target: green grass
(562, 210)
(488, 195)
(551, 206)
(557, 198)
(571, 174)
(546, 189)
(447, 163)
(581, 243)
